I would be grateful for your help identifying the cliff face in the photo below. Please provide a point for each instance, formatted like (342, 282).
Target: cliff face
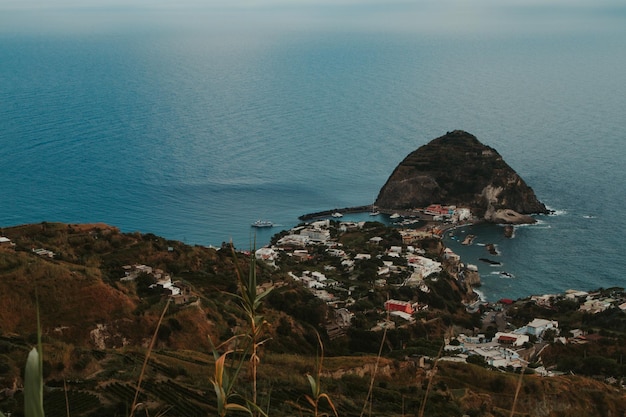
(457, 169)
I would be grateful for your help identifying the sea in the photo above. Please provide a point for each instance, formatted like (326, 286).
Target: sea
(193, 121)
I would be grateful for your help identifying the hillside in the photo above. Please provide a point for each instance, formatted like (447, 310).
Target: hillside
(457, 169)
(96, 328)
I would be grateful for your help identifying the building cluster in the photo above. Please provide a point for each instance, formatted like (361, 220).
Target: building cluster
(589, 302)
(402, 265)
(5, 242)
(162, 281)
(504, 350)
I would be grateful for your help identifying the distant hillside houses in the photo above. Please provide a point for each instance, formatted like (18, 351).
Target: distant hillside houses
(44, 253)
(162, 280)
(591, 303)
(398, 264)
(313, 233)
(503, 350)
(423, 266)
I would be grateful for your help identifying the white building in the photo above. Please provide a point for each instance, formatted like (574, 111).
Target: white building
(511, 339)
(500, 357)
(318, 235)
(463, 213)
(595, 306)
(423, 266)
(266, 254)
(538, 326)
(293, 240)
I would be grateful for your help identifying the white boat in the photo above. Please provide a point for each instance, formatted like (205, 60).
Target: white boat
(395, 216)
(374, 213)
(262, 223)
(337, 214)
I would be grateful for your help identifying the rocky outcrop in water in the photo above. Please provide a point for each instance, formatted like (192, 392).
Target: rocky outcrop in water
(457, 169)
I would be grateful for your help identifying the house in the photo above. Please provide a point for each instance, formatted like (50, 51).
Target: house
(574, 294)
(44, 252)
(301, 254)
(380, 283)
(511, 339)
(315, 234)
(395, 249)
(405, 316)
(383, 270)
(320, 224)
(344, 317)
(348, 264)
(437, 210)
(594, 306)
(538, 326)
(545, 300)
(293, 240)
(410, 236)
(396, 305)
(463, 214)
(339, 253)
(424, 266)
(450, 255)
(500, 357)
(266, 254)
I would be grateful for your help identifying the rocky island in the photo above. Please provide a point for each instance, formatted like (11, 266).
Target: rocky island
(457, 169)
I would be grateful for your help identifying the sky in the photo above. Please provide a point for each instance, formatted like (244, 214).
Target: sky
(457, 16)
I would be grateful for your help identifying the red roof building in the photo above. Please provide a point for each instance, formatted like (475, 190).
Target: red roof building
(395, 305)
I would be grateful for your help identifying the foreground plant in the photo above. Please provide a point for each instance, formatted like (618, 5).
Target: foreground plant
(316, 386)
(33, 376)
(245, 344)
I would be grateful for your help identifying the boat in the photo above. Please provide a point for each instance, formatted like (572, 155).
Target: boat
(374, 213)
(262, 223)
(395, 216)
(337, 214)
(506, 274)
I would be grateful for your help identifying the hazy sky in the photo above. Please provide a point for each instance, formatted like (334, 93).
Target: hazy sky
(388, 15)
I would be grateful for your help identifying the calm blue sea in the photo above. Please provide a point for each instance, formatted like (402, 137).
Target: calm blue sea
(192, 124)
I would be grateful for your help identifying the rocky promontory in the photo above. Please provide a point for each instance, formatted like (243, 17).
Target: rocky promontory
(457, 169)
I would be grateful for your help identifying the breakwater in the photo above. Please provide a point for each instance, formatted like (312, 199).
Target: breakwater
(326, 213)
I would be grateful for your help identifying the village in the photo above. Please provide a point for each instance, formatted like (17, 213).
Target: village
(509, 348)
(312, 255)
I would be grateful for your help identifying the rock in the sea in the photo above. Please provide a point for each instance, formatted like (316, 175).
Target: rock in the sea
(457, 169)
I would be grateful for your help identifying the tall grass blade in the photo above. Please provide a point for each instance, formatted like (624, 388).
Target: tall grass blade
(33, 386)
(430, 381)
(33, 375)
(519, 385)
(145, 362)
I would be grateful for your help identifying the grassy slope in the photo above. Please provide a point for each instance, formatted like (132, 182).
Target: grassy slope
(79, 289)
